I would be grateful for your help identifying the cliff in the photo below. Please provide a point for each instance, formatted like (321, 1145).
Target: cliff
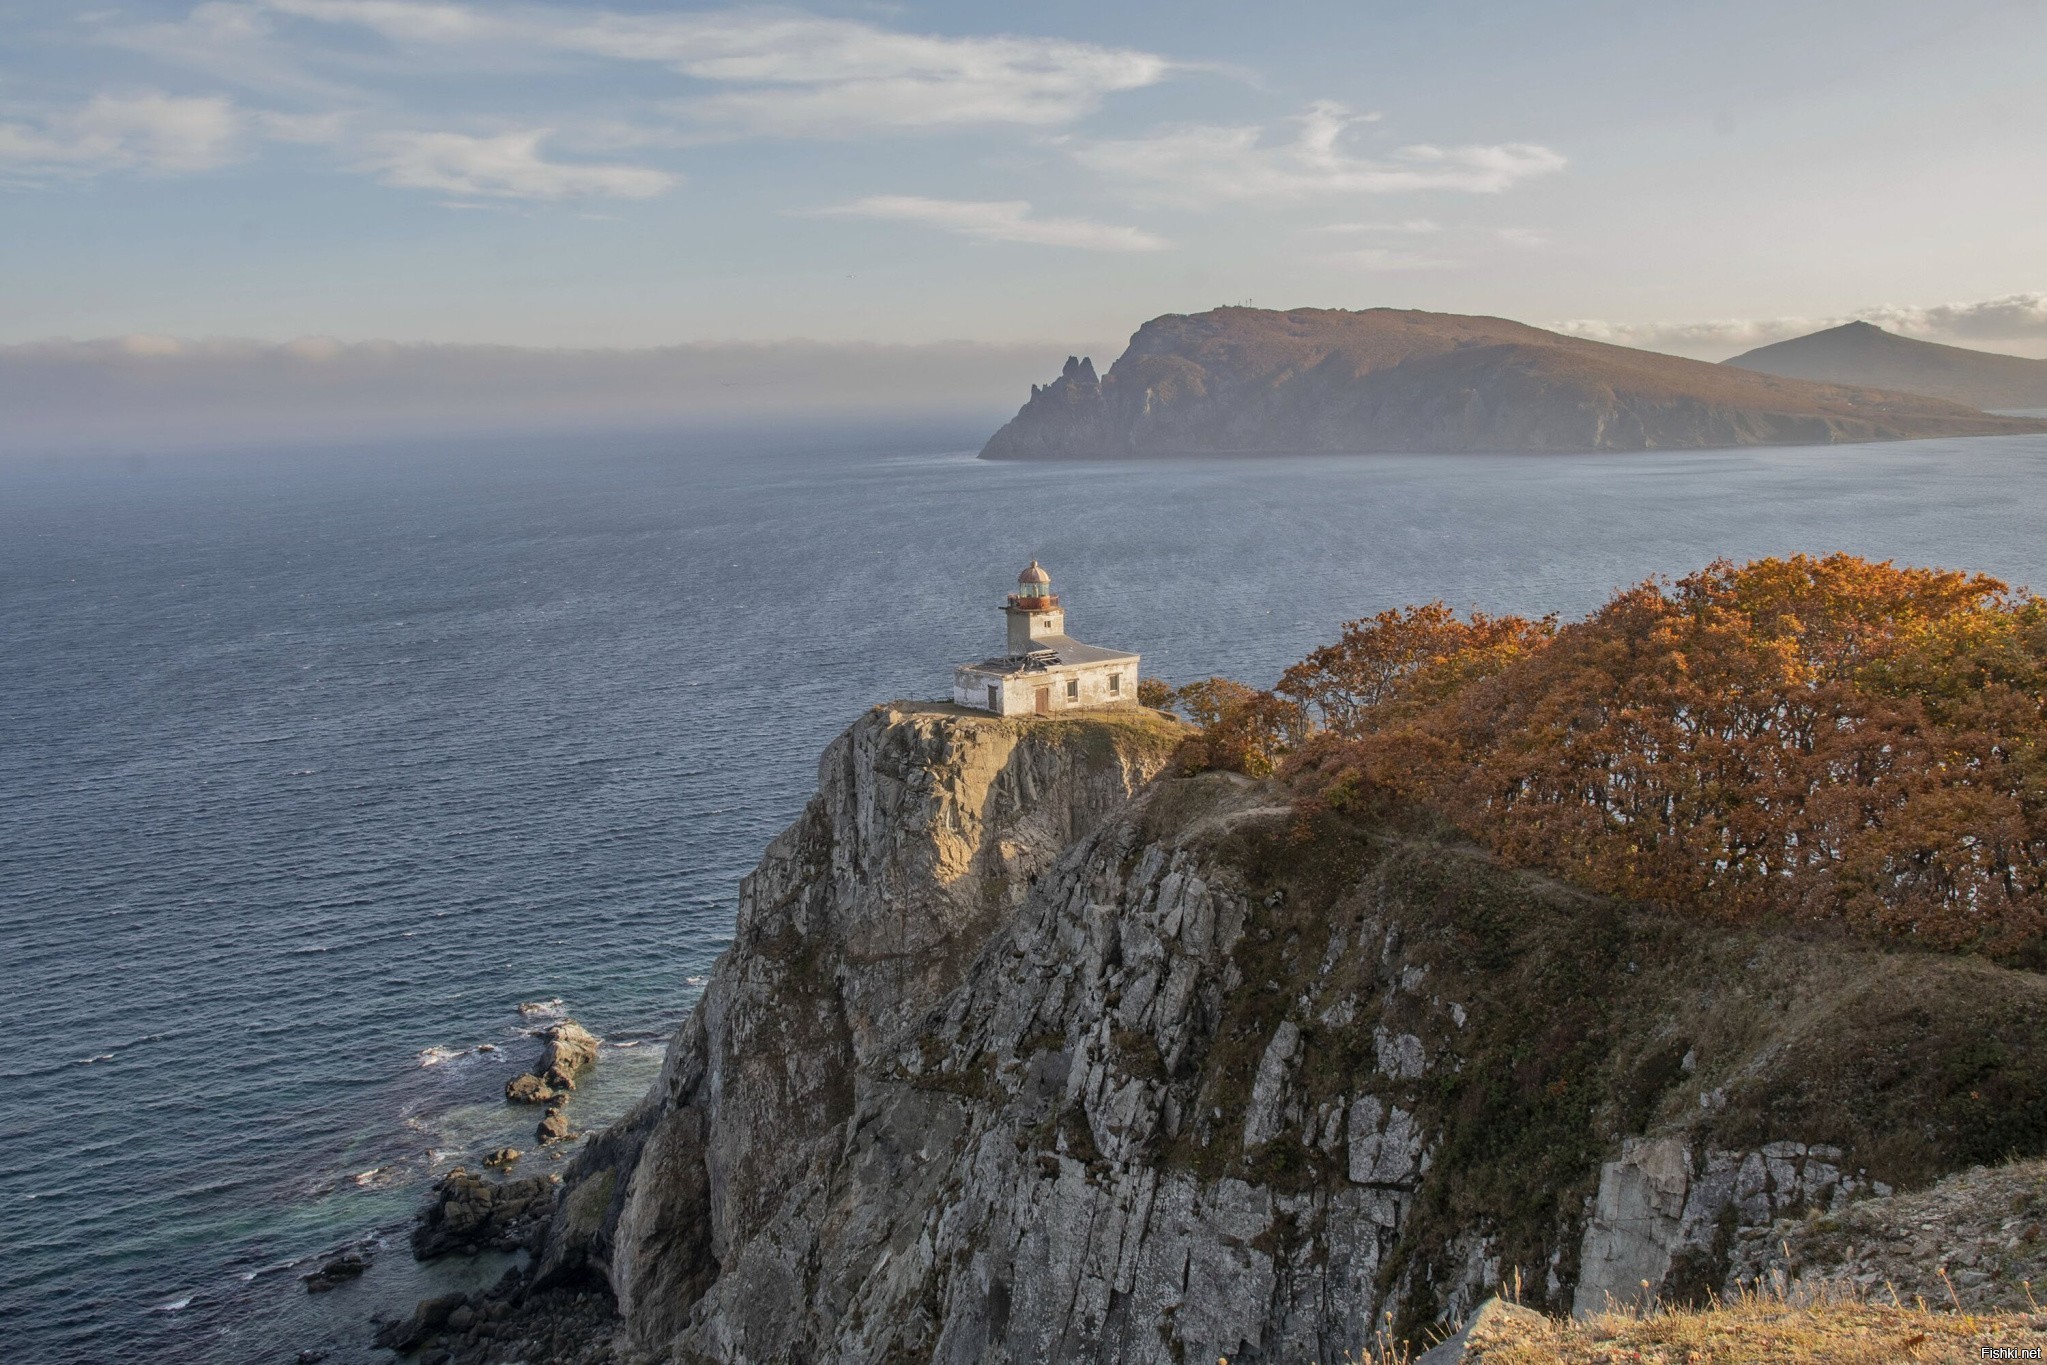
(1860, 353)
(1246, 381)
(1030, 1049)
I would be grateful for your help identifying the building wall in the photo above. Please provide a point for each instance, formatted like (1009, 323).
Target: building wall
(1017, 693)
(1028, 627)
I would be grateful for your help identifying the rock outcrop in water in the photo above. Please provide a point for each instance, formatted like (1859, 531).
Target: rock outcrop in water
(1249, 381)
(469, 1213)
(569, 1051)
(1019, 1056)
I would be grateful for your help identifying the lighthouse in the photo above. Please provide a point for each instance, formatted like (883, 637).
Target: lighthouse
(1045, 670)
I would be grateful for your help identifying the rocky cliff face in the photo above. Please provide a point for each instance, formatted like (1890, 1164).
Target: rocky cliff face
(1252, 381)
(1017, 1058)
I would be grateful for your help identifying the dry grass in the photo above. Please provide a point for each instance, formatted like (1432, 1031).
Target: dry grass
(1834, 1326)
(1831, 1327)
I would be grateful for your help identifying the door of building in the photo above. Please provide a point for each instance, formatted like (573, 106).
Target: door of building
(1044, 701)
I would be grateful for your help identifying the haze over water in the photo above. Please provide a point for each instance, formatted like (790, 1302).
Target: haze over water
(312, 768)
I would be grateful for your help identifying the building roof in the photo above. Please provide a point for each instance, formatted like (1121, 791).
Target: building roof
(1066, 652)
(1034, 574)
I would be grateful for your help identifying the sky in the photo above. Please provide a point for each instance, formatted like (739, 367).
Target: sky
(1696, 178)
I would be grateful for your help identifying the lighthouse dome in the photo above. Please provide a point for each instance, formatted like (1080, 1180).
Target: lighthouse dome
(1033, 577)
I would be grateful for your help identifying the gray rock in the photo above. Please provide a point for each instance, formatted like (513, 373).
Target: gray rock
(1385, 1146)
(527, 1088)
(1636, 1226)
(468, 1213)
(571, 1050)
(1491, 1323)
(1266, 1118)
(335, 1271)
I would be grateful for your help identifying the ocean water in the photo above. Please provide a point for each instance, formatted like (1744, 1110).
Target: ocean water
(314, 767)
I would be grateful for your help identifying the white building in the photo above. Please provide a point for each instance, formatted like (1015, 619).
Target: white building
(1046, 670)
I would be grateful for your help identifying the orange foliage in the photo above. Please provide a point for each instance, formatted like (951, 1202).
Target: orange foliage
(1823, 738)
(1242, 729)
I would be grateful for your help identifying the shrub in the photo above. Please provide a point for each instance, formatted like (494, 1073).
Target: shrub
(1820, 737)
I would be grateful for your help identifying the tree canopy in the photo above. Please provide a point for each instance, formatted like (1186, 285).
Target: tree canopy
(1822, 738)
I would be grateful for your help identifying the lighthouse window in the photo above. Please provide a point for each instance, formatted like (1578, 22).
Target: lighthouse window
(994, 698)
(1073, 689)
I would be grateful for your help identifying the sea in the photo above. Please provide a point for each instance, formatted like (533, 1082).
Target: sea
(316, 766)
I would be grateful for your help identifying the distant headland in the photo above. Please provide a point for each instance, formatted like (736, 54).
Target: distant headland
(1863, 353)
(1252, 381)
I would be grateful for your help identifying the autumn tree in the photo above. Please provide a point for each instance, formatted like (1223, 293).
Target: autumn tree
(1815, 737)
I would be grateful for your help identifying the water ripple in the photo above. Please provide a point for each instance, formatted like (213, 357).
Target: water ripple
(315, 768)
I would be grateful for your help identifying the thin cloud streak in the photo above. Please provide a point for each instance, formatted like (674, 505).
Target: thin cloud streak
(2013, 318)
(505, 166)
(1199, 165)
(785, 74)
(998, 221)
(146, 132)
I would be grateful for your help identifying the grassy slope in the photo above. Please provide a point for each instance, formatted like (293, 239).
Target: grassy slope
(1764, 1328)
(1857, 353)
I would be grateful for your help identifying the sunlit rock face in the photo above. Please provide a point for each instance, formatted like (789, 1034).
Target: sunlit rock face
(1031, 1048)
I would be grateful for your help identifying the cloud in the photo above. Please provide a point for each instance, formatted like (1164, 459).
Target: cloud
(1408, 226)
(148, 132)
(1007, 220)
(783, 73)
(398, 20)
(1379, 258)
(505, 166)
(1202, 164)
(813, 76)
(1419, 243)
(2013, 318)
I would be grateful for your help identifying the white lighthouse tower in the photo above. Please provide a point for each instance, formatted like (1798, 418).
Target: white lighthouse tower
(1046, 670)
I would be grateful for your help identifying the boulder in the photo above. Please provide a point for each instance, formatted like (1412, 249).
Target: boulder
(468, 1213)
(527, 1088)
(336, 1270)
(1493, 1323)
(554, 1126)
(408, 1334)
(571, 1050)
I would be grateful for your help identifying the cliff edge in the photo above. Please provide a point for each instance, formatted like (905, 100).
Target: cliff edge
(1031, 1048)
(1250, 381)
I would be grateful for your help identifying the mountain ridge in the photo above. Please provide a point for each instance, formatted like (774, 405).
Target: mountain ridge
(1246, 381)
(1863, 353)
